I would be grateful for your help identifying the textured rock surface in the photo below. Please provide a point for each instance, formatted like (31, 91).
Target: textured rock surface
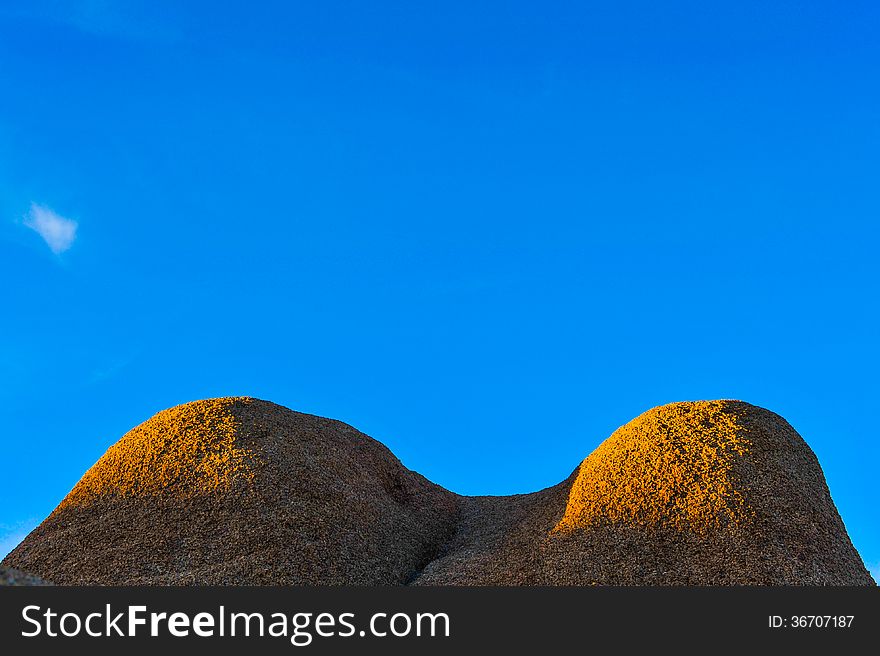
(708, 493)
(240, 491)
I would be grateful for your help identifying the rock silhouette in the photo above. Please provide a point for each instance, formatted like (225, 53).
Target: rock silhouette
(241, 491)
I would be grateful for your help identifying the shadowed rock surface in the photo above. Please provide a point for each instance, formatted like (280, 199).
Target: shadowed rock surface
(241, 491)
(703, 493)
(12, 576)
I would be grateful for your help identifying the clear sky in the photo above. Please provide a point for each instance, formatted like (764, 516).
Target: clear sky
(485, 233)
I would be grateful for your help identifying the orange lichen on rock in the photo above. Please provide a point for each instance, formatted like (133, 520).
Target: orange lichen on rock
(186, 451)
(671, 466)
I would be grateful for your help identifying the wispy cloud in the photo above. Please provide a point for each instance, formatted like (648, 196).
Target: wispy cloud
(58, 232)
(99, 375)
(11, 536)
(137, 20)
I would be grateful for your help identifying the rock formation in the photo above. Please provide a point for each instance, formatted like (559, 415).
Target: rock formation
(242, 491)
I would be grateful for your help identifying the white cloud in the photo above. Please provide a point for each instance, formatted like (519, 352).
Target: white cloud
(59, 233)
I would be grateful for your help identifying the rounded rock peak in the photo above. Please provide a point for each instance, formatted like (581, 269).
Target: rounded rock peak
(675, 466)
(185, 450)
(238, 490)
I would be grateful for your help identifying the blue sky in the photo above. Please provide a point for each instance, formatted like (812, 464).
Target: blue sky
(486, 234)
